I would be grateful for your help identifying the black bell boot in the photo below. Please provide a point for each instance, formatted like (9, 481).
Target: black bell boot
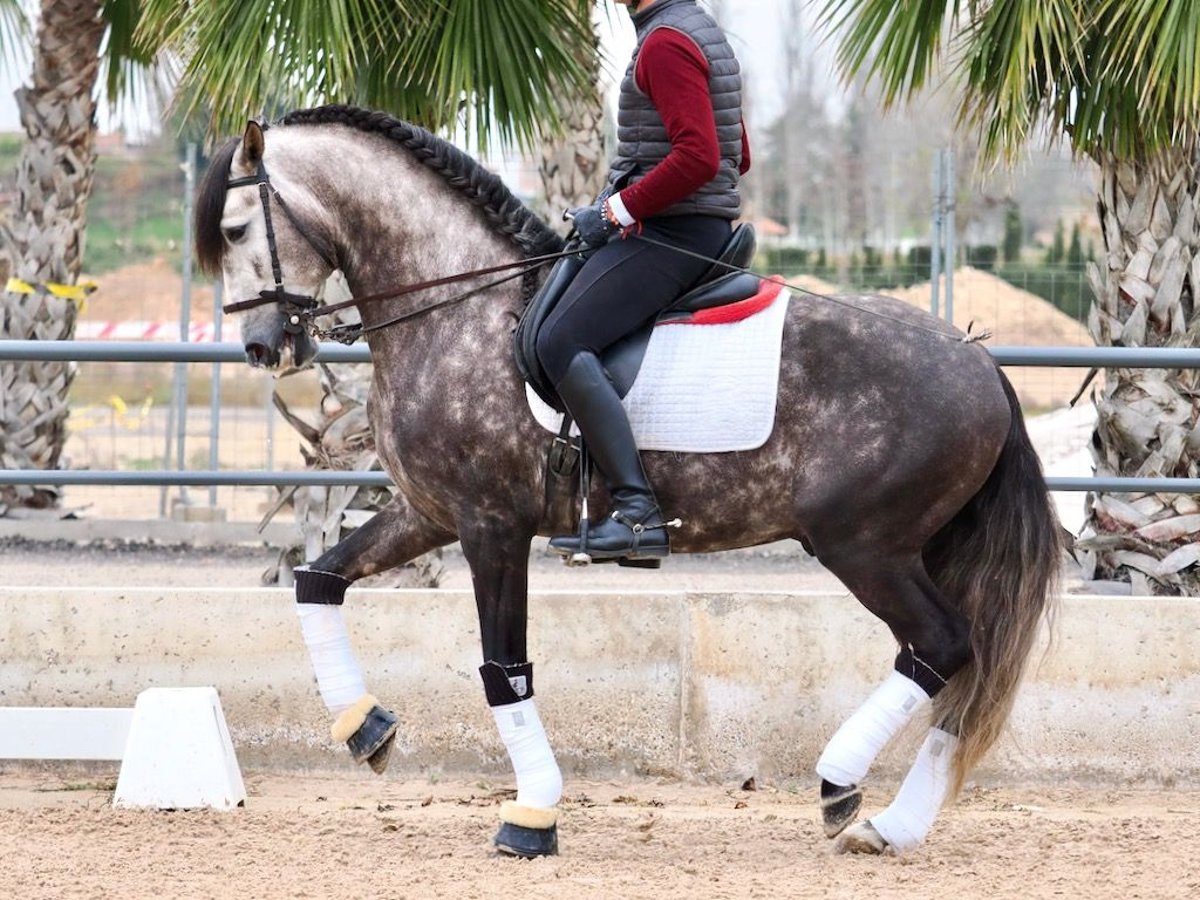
(635, 531)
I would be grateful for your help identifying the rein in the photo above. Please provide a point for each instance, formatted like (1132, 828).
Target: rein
(965, 339)
(302, 309)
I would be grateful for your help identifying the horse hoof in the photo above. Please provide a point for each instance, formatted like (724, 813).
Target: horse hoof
(527, 831)
(862, 838)
(368, 731)
(527, 843)
(839, 807)
(378, 761)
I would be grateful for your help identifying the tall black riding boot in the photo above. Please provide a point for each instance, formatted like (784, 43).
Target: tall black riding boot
(635, 529)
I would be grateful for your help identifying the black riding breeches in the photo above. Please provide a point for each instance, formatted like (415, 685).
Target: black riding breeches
(625, 283)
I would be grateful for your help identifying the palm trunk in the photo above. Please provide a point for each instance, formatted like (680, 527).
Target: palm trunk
(1146, 418)
(573, 168)
(44, 237)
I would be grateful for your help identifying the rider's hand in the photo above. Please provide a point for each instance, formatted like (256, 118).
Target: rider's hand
(594, 224)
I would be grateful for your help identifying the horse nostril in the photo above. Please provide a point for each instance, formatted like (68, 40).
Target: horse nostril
(257, 354)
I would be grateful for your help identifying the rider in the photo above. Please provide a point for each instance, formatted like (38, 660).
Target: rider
(681, 147)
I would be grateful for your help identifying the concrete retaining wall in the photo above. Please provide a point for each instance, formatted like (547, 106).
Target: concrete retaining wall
(715, 686)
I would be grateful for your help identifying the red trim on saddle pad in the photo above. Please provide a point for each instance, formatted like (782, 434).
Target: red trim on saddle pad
(768, 290)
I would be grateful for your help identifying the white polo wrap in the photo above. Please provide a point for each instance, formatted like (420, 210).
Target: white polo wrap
(854, 747)
(339, 676)
(907, 821)
(539, 781)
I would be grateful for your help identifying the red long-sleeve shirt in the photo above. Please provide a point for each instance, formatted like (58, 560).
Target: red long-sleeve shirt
(673, 73)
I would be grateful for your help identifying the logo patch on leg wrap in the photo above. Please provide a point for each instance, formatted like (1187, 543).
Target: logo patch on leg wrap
(505, 685)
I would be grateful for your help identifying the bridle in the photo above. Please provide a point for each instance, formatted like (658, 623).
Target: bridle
(296, 307)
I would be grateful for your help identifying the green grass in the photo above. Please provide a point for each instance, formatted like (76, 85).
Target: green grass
(111, 246)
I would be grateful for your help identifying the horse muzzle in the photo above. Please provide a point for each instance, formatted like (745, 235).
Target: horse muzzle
(286, 350)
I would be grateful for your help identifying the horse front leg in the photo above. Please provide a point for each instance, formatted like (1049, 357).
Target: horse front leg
(498, 554)
(394, 536)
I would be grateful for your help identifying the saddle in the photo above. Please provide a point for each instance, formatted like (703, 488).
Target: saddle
(721, 284)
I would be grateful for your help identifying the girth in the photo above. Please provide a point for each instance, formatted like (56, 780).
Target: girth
(723, 283)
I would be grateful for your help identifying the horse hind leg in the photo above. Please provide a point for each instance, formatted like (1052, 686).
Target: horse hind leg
(934, 645)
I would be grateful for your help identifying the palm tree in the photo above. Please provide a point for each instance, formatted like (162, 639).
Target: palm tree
(42, 240)
(469, 63)
(1119, 83)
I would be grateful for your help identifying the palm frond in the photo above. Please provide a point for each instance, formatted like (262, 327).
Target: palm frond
(443, 64)
(895, 43)
(1107, 76)
(14, 36)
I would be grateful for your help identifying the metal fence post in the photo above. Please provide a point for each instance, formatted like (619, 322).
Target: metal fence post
(214, 405)
(935, 242)
(949, 198)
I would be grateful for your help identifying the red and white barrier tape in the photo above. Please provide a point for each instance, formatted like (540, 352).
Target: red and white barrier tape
(198, 332)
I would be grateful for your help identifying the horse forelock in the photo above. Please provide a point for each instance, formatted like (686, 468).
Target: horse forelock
(210, 207)
(503, 211)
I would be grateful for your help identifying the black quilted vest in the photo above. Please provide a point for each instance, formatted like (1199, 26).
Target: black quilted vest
(642, 141)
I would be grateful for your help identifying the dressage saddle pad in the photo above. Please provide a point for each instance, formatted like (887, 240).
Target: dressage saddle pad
(709, 380)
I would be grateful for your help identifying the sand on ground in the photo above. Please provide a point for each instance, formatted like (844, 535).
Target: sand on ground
(353, 835)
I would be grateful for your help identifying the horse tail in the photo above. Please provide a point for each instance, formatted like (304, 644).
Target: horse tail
(997, 561)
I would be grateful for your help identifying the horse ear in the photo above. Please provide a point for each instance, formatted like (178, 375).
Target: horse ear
(252, 145)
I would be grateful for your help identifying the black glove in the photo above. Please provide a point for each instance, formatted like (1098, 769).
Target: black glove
(592, 225)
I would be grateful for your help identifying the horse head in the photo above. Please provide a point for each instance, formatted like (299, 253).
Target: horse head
(272, 254)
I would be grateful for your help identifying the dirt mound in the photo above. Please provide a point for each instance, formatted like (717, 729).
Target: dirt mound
(1012, 315)
(985, 302)
(147, 292)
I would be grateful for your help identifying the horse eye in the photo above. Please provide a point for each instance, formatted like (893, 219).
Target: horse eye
(235, 234)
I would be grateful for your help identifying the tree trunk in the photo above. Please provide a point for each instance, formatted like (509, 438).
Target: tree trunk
(1146, 418)
(44, 237)
(573, 168)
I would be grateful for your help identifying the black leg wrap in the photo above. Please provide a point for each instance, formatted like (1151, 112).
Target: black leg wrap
(839, 806)
(927, 678)
(505, 685)
(313, 586)
(527, 843)
(372, 742)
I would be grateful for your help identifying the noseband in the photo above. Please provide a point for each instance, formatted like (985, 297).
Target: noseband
(292, 305)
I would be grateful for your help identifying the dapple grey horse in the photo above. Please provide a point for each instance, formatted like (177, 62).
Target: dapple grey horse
(898, 457)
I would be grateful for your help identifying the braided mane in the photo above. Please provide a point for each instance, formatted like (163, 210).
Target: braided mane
(506, 214)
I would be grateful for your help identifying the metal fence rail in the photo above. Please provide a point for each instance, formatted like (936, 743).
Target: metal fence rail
(138, 351)
(179, 351)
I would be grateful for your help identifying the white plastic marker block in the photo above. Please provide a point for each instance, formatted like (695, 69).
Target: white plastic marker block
(179, 755)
